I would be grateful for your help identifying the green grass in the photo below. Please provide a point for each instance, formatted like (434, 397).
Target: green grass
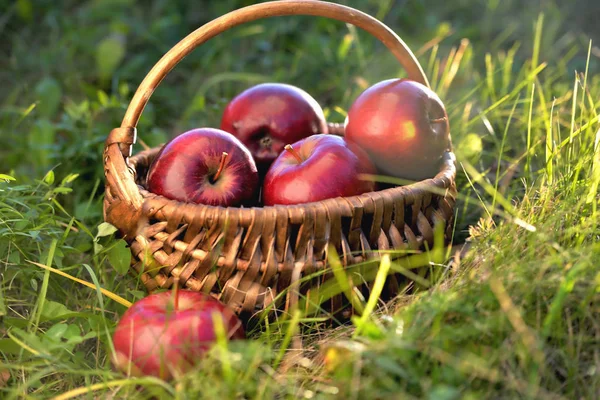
(515, 316)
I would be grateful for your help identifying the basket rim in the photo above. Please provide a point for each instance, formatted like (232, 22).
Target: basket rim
(441, 181)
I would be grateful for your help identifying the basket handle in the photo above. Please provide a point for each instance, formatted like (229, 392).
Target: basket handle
(263, 10)
(121, 139)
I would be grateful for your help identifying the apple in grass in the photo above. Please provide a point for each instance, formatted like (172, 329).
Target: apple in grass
(268, 116)
(167, 333)
(206, 166)
(317, 168)
(403, 126)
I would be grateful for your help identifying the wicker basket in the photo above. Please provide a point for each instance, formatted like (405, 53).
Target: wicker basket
(246, 257)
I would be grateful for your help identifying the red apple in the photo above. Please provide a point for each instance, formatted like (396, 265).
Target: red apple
(403, 126)
(206, 166)
(166, 333)
(268, 116)
(317, 168)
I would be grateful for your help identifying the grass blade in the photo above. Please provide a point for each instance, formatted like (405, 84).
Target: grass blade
(105, 292)
(343, 280)
(550, 146)
(111, 384)
(501, 151)
(529, 116)
(382, 273)
(291, 330)
(573, 113)
(39, 307)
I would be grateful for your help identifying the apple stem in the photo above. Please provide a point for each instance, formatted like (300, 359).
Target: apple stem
(221, 166)
(289, 148)
(175, 293)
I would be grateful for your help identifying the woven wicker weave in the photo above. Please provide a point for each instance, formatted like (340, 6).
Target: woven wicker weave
(247, 256)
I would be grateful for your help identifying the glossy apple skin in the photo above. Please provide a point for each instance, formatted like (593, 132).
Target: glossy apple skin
(331, 167)
(184, 168)
(403, 126)
(268, 116)
(154, 339)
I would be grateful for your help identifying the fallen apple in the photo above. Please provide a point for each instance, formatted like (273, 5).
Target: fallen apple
(268, 116)
(403, 126)
(167, 333)
(206, 166)
(317, 168)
